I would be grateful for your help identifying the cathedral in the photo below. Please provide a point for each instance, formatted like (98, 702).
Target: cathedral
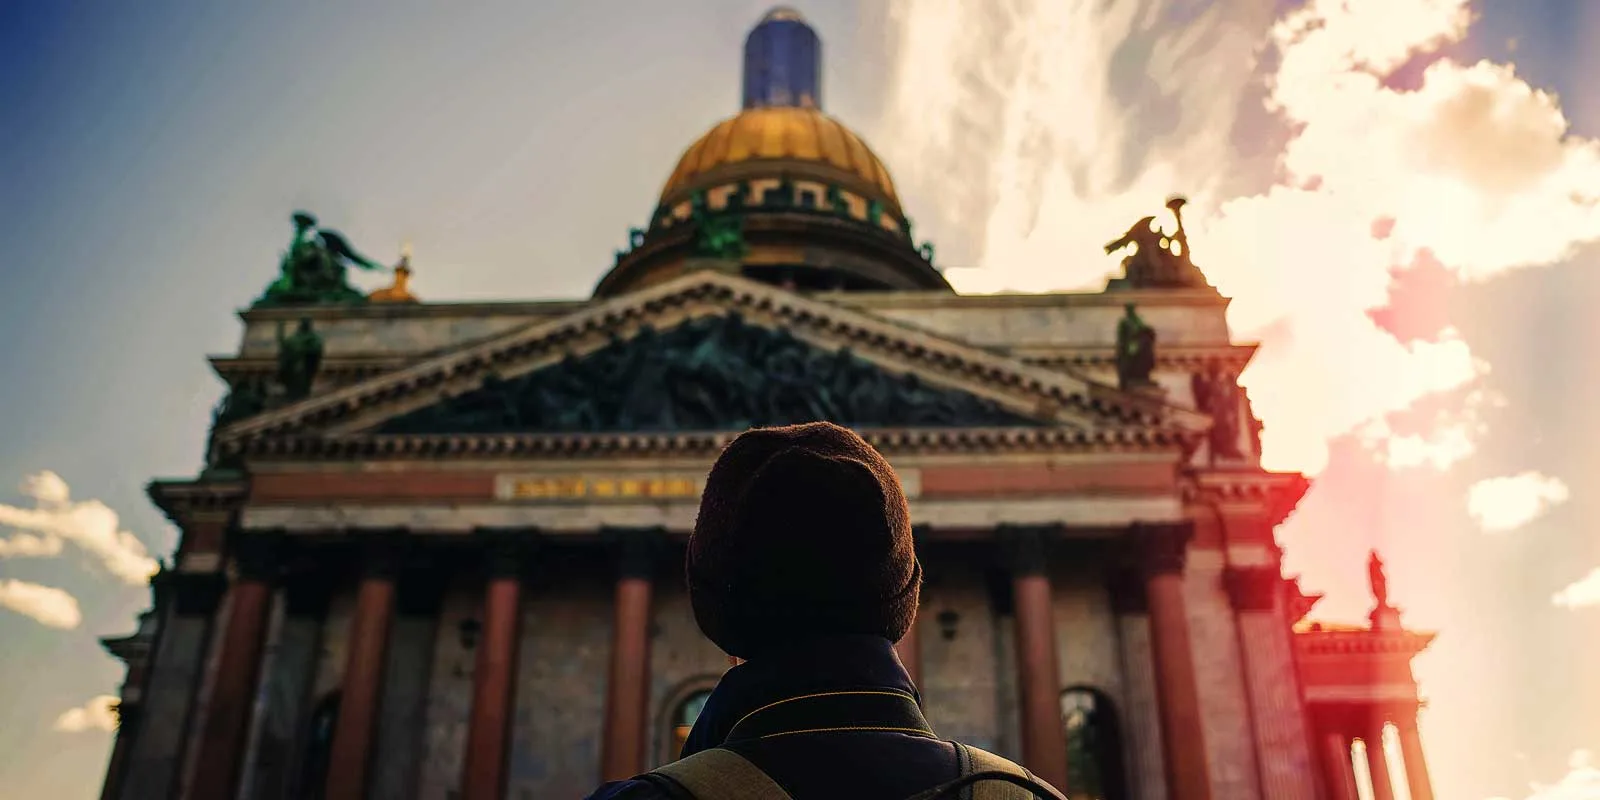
(435, 550)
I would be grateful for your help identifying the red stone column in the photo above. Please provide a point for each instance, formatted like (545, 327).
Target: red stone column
(1338, 773)
(1162, 550)
(1044, 737)
(1416, 766)
(1377, 761)
(227, 723)
(494, 680)
(350, 758)
(623, 742)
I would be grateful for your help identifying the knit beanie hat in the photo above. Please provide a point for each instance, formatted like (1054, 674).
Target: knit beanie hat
(802, 530)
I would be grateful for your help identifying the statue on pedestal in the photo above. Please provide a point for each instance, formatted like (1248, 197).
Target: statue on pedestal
(1158, 260)
(299, 358)
(1136, 351)
(313, 268)
(1380, 582)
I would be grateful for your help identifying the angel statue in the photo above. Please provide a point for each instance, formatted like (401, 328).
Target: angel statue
(313, 268)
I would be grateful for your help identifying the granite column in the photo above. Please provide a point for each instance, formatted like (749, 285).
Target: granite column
(1161, 551)
(224, 735)
(1044, 738)
(353, 732)
(494, 679)
(623, 742)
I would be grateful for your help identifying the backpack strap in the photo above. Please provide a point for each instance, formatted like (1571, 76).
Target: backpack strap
(721, 774)
(986, 776)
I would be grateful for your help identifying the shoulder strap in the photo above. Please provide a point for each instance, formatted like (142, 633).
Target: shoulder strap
(986, 776)
(721, 774)
(981, 761)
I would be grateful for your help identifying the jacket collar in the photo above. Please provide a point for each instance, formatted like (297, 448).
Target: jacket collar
(821, 664)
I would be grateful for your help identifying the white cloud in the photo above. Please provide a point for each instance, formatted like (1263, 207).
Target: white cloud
(29, 545)
(1055, 123)
(95, 715)
(1582, 782)
(90, 525)
(1580, 593)
(47, 605)
(1507, 503)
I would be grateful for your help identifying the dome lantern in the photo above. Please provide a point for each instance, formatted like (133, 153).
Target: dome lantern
(782, 62)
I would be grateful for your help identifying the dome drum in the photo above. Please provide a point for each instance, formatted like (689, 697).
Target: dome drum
(810, 249)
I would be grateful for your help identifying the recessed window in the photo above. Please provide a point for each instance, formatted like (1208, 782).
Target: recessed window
(684, 716)
(1094, 745)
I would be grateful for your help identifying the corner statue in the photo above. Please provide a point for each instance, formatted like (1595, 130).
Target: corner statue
(1136, 351)
(313, 269)
(299, 358)
(1380, 582)
(1158, 260)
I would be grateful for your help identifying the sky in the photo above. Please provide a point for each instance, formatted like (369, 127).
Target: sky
(1398, 194)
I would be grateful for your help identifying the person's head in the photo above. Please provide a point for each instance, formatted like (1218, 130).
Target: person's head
(803, 531)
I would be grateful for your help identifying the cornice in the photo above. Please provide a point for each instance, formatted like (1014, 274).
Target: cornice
(1278, 493)
(1325, 642)
(1231, 356)
(707, 443)
(185, 501)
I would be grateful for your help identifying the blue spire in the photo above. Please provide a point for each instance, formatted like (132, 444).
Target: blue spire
(782, 62)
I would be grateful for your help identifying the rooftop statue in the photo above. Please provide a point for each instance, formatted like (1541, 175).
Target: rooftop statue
(1158, 260)
(313, 269)
(1379, 581)
(1136, 351)
(717, 235)
(299, 358)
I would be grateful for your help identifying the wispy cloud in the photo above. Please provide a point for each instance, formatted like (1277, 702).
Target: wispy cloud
(1582, 782)
(47, 605)
(95, 715)
(1580, 593)
(90, 525)
(1507, 503)
(1056, 123)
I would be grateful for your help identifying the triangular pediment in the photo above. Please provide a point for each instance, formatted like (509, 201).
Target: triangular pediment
(708, 373)
(718, 346)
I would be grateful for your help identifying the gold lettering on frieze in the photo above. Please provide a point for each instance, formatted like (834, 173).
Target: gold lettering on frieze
(597, 488)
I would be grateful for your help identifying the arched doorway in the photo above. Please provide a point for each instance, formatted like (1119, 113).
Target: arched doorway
(683, 717)
(1094, 746)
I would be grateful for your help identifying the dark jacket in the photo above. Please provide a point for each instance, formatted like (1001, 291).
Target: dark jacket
(872, 765)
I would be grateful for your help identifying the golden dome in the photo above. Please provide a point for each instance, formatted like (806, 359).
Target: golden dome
(802, 140)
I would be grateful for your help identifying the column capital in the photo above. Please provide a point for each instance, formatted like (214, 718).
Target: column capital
(383, 554)
(1252, 588)
(258, 555)
(307, 588)
(1128, 595)
(1160, 548)
(638, 550)
(507, 552)
(1026, 548)
(194, 593)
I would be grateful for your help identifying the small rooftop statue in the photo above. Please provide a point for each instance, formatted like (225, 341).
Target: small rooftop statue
(719, 236)
(313, 269)
(299, 359)
(400, 290)
(1158, 260)
(1136, 351)
(1379, 581)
